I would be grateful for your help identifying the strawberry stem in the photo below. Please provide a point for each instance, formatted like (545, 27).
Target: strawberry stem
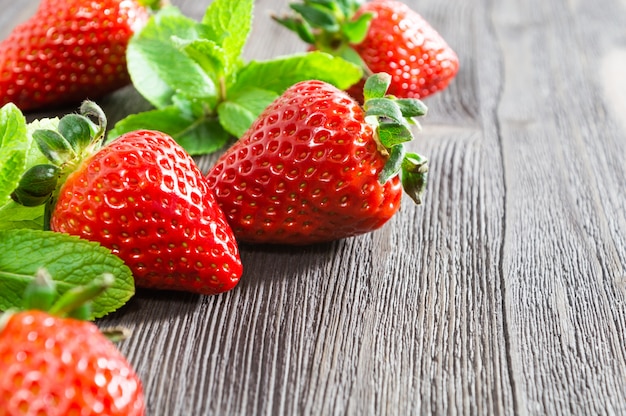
(75, 302)
(40, 293)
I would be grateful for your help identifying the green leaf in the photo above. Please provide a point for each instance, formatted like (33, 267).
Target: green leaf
(204, 136)
(414, 176)
(329, 4)
(384, 107)
(16, 139)
(36, 185)
(40, 293)
(297, 25)
(196, 135)
(349, 7)
(412, 107)
(77, 130)
(77, 301)
(159, 69)
(54, 146)
(281, 73)
(207, 53)
(14, 215)
(70, 261)
(376, 86)
(356, 30)
(393, 165)
(152, 5)
(317, 16)
(14, 145)
(348, 53)
(34, 155)
(392, 134)
(239, 112)
(228, 24)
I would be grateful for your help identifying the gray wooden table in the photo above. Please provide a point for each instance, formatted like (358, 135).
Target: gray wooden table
(504, 293)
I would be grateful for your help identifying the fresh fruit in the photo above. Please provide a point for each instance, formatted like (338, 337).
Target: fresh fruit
(316, 167)
(67, 51)
(143, 197)
(54, 364)
(381, 35)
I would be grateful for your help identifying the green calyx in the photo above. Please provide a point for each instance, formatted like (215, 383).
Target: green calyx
(153, 5)
(394, 120)
(76, 137)
(329, 25)
(41, 295)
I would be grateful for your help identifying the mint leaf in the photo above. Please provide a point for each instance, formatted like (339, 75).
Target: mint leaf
(168, 120)
(209, 55)
(204, 136)
(239, 112)
(159, 69)
(228, 24)
(71, 261)
(16, 140)
(14, 215)
(281, 73)
(14, 146)
(197, 135)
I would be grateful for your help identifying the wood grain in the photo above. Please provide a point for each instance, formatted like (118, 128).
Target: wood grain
(505, 293)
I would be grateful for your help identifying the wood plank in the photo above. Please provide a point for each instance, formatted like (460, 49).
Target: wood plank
(563, 256)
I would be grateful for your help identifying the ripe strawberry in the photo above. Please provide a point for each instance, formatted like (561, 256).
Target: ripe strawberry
(313, 169)
(67, 51)
(381, 36)
(143, 197)
(57, 365)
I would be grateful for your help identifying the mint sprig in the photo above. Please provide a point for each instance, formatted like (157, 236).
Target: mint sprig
(203, 90)
(71, 261)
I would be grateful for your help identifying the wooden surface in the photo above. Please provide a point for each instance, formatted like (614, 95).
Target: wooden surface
(505, 293)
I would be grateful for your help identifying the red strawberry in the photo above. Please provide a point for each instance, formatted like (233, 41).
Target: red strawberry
(67, 51)
(55, 365)
(143, 197)
(312, 169)
(382, 36)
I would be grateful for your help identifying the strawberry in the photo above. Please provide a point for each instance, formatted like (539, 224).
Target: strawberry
(381, 36)
(55, 364)
(316, 167)
(142, 196)
(67, 51)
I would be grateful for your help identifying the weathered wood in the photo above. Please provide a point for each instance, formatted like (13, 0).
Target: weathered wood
(505, 293)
